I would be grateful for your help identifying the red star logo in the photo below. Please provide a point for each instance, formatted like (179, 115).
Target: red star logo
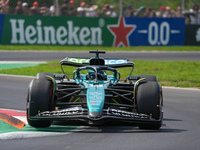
(121, 32)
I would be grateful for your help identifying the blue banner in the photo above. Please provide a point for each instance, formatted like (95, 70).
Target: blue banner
(1, 25)
(156, 31)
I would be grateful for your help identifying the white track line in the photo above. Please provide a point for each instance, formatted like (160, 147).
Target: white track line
(16, 76)
(31, 134)
(23, 135)
(22, 62)
(180, 88)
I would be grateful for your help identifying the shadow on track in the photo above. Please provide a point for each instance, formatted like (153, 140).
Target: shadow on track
(110, 127)
(170, 119)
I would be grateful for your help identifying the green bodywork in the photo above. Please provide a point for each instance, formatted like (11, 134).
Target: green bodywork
(95, 90)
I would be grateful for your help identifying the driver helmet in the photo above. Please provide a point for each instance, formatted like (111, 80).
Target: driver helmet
(103, 74)
(90, 75)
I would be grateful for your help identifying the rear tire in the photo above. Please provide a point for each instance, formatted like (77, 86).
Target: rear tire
(149, 77)
(149, 96)
(38, 100)
(44, 75)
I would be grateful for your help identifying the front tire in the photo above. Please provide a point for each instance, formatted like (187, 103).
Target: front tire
(149, 97)
(39, 99)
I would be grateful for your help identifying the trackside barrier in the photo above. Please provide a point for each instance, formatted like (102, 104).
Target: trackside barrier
(86, 31)
(192, 35)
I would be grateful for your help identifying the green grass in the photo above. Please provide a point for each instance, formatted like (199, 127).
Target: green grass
(178, 73)
(86, 48)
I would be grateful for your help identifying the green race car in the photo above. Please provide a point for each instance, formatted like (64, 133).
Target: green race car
(95, 94)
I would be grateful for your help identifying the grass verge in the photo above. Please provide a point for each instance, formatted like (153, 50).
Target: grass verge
(86, 48)
(178, 73)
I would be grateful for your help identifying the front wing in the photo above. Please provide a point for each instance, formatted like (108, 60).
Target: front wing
(78, 113)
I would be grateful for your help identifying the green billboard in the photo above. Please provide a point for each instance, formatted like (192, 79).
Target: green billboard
(40, 30)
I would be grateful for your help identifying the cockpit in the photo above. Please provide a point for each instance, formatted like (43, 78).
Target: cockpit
(100, 73)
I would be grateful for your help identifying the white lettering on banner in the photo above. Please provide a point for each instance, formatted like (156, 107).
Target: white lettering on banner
(19, 30)
(49, 32)
(84, 35)
(96, 36)
(154, 36)
(159, 34)
(30, 32)
(50, 35)
(73, 34)
(39, 30)
(198, 35)
(61, 35)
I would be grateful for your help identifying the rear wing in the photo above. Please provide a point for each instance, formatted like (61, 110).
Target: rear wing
(80, 62)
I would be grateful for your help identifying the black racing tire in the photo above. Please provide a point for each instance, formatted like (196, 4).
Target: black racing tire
(39, 99)
(149, 96)
(149, 77)
(43, 75)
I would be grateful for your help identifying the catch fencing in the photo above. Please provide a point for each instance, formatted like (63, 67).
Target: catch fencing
(119, 6)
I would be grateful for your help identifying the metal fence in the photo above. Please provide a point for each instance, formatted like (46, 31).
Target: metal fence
(24, 7)
(102, 8)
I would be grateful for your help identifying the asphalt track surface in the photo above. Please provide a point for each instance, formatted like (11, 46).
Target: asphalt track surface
(57, 55)
(181, 128)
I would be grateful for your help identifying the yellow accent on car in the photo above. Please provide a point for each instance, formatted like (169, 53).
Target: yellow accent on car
(76, 100)
(54, 84)
(115, 100)
(136, 84)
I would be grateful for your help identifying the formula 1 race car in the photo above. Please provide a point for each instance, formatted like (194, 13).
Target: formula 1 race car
(95, 94)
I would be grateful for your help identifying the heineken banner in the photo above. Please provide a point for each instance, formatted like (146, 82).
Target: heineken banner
(86, 31)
